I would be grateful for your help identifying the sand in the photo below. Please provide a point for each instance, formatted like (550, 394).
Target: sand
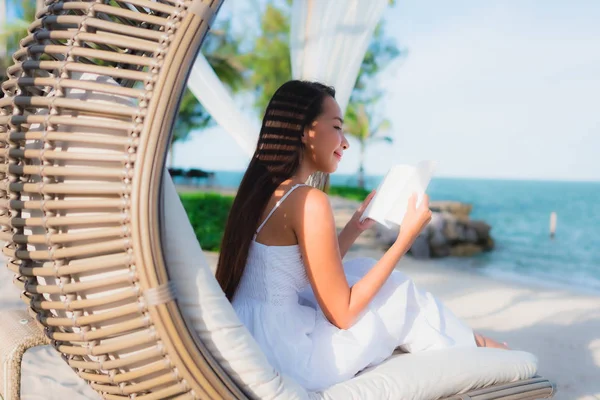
(560, 326)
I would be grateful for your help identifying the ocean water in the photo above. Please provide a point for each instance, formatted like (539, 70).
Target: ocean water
(519, 213)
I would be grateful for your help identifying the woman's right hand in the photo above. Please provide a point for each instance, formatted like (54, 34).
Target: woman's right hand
(415, 219)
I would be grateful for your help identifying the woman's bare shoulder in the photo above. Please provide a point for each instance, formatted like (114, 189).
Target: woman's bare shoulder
(311, 199)
(310, 211)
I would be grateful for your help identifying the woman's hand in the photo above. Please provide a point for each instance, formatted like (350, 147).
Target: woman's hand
(355, 220)
(415, 219)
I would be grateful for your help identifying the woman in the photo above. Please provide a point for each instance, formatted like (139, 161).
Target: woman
(316, 319)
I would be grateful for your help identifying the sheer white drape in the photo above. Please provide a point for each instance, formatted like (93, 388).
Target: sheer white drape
(328, 40)
(211, 93)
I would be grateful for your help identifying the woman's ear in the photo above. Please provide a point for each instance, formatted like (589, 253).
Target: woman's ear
(308, 132)
(304, 135)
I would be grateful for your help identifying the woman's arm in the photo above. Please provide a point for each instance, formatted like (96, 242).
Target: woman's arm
(354, 227)
(346, 239)
(315, 229)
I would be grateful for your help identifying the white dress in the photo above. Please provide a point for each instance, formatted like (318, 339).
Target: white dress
(275, 302)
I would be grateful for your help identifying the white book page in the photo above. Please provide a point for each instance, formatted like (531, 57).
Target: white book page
(388, 192)
(391, 200)
(417, 183)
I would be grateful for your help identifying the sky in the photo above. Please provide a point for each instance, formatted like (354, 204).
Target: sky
(11, 10)
(488, 89)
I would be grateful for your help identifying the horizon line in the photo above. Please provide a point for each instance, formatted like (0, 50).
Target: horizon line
(523, 179)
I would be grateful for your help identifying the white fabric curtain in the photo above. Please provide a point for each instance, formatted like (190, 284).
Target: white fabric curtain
(212, 94)
(328, 41)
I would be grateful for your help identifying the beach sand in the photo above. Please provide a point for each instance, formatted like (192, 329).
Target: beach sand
(560, 326)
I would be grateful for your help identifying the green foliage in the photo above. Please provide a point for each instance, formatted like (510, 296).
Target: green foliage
(269, 66)
(222, 51)
(268, 62)
(191, 116)
(349, 192)
(207, 213)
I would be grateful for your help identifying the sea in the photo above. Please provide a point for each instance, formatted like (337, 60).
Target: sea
(519, 214)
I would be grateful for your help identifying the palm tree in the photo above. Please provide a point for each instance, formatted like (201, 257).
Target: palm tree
(359, 124)
(269, 61)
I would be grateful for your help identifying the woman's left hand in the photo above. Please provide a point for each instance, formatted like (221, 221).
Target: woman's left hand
(355, 220)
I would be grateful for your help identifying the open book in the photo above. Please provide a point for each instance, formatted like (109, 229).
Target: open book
(391, 199)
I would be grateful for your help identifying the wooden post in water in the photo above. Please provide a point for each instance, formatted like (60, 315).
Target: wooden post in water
(552, 224)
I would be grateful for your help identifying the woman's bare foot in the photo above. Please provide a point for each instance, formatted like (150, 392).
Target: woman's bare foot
(483, 341)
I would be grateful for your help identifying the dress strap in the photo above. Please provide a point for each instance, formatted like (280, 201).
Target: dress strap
(276, 206)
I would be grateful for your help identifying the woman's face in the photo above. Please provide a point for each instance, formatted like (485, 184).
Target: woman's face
(324, 139)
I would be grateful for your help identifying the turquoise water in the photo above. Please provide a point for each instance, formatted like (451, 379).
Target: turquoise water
(519, 213)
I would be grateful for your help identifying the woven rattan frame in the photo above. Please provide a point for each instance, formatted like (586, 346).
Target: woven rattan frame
(148, 47)
(527, 389)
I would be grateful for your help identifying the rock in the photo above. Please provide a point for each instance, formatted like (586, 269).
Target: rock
(471, 235)
(482, 228)
(461, 229)
(453, 230)
(420, 247)
(455, 208)
(438, 221)
(463, 219)
(465, 250)
(440, 251)
(489, 244)
(437, 239)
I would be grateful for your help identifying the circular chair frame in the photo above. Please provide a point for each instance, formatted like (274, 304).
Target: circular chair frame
(148, 48)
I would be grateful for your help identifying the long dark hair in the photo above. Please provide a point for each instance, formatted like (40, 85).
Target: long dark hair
(294, 106)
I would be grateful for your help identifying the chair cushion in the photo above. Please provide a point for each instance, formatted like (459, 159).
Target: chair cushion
(435, 374)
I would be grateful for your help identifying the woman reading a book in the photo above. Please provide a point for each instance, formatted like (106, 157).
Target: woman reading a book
(317, 319)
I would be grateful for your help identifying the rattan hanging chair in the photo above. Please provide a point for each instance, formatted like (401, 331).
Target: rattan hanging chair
(101, 248)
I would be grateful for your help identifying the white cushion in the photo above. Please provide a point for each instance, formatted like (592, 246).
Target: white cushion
(435, 374)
